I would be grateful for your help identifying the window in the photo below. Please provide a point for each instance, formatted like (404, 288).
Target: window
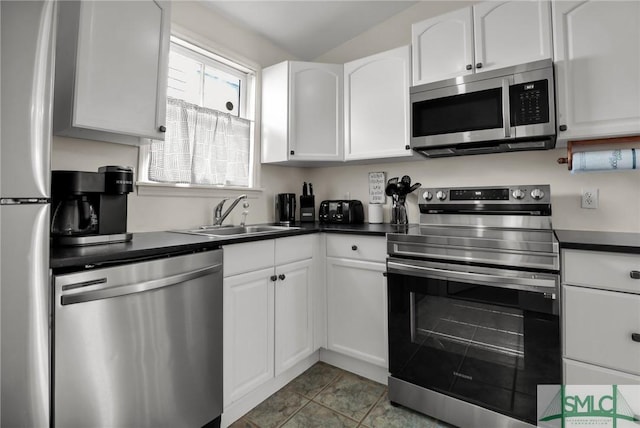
(209, 122)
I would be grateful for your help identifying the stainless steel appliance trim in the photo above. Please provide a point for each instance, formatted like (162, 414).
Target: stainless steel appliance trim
(547, 284)
(448, 409)
(506, 109)
(547, 261)
(121, 290)
(92, 239)
(492, 221)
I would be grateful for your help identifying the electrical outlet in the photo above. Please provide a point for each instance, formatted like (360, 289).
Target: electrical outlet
(590, 198)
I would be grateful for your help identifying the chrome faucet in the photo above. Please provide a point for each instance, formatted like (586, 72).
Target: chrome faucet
(219, 216)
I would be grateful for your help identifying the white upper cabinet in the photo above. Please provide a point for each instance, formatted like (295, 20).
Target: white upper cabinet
(487, 36)
(443, 46)
(302, 112)
(111, 70)
(511, 32)
(376, 99)
(597, 58)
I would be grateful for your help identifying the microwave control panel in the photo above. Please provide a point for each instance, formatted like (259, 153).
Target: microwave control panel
(529, 103)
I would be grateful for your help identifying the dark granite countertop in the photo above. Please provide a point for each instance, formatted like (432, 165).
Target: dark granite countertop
(623, 242)
(154, 244)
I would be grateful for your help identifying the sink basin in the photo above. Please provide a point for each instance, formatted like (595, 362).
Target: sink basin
(236, 230)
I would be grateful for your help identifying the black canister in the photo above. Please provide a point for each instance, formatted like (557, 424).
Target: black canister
(285, 208)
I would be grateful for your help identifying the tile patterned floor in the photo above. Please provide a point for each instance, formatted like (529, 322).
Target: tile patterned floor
(328, 397)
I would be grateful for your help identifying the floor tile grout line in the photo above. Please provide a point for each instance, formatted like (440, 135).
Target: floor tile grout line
(378, 401)
(335, 411)
(296, 412)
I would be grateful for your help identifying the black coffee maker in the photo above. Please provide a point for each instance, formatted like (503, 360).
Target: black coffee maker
(90, 207)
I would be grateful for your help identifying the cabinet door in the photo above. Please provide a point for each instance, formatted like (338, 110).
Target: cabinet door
(377, 105)
(294, 315)
(511, 32)
(577, 373)
(248, 332)
(121, 67)
(315, 113)
(597, 59)
(442, 47)
(598, 328)
(357, 310)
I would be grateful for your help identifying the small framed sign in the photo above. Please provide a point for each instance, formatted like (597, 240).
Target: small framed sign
(376, 188)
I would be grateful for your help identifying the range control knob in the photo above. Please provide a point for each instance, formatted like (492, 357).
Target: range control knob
(441, 195)
(518, 194)
(427, 196)
(537, 194)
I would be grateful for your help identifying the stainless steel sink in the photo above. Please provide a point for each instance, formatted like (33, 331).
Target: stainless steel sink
(214, 231)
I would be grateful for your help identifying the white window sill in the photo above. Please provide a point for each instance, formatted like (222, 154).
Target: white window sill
(195, 191)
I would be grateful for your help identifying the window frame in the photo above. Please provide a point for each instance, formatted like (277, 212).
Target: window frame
(219, 57)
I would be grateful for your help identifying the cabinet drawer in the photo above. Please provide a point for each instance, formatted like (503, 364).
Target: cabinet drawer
(577, 373)
(601, 270)
(598, 326)
(294, 248)
(248, 257)
(357, 247)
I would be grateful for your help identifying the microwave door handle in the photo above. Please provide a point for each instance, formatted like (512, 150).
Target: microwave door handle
(506, 110)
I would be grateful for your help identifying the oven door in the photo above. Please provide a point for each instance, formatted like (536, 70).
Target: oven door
(483, 335)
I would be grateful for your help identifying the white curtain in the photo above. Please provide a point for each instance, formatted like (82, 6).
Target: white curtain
(202, 146)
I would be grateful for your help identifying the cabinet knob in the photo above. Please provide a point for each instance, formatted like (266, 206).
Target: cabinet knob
(479, 65)
(469, 66)
(634, 274)
(635, 337)
(292, 152)
(282, 277)
(354, 247)
(162, 128)
(407, 147)
(273, 278)
(562, 127)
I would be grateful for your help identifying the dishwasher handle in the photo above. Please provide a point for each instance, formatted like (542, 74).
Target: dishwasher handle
(141, 287)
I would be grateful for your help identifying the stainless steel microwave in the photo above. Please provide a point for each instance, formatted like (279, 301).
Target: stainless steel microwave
(502, 110)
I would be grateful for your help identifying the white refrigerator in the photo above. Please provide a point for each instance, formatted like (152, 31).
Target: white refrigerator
(27, 48)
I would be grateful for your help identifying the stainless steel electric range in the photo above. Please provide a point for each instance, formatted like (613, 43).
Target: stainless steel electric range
(474, 300)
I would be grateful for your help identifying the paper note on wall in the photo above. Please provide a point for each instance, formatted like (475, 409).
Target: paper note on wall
(376, 188)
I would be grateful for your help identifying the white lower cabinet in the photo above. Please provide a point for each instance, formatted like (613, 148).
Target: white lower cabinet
(601, 318)
(357, 298)
(268, 313)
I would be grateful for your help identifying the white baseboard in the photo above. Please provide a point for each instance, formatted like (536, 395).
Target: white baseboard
(350, 364)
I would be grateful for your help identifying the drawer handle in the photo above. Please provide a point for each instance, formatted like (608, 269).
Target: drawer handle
(635, 337)
(635, 274)
(354, 247)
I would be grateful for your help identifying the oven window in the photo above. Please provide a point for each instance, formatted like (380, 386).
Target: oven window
(459, 113)
(481, 344)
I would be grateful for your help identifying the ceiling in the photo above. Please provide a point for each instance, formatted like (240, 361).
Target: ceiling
(307, 28)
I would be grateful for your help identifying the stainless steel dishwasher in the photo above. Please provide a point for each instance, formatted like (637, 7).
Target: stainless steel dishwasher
(139, 344)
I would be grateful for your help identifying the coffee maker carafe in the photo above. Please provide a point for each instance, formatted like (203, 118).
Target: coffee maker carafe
(90, 207)
(286, 208)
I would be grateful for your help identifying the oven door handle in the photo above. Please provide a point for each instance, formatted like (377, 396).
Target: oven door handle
(546, 286)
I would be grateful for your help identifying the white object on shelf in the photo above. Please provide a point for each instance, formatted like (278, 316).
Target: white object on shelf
(376, 213)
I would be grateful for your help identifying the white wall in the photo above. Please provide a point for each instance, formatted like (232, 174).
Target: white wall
(150, 213)
(619, 191)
